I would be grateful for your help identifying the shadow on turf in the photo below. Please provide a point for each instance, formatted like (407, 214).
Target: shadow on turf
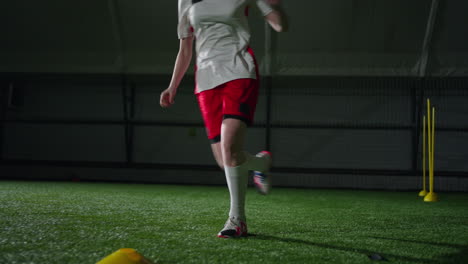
(368, 253)
(460, 257)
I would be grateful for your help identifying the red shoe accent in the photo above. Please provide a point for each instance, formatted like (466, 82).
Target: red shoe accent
(241, 231)
(257, 181)
(244, 229)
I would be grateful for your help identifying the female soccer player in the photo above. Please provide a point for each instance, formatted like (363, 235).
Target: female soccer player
(227, 84)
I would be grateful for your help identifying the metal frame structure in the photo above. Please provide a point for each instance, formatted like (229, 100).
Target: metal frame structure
(4, 95)
(128, 99)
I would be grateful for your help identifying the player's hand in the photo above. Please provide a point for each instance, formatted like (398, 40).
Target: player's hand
(167, 97)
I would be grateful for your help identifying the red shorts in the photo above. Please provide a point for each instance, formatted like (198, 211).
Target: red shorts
(234, 99)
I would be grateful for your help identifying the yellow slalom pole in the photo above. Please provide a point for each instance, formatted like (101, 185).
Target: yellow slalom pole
(429, 141)
(423, 192)
(431, 187)
(432, 196)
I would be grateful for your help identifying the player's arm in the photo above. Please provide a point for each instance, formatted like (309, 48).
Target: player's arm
(184, 57)
(277, 18)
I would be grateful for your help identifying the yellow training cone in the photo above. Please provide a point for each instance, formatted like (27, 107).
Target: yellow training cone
(125, 256)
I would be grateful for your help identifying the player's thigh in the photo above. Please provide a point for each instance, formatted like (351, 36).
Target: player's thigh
(210, 103)
(240, 100)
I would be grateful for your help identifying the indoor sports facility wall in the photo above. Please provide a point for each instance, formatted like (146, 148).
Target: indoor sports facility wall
(342, 97)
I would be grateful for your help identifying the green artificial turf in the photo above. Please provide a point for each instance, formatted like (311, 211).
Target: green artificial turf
(67, 222)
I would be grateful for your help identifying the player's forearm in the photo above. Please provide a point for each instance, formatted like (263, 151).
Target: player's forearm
(184, 57)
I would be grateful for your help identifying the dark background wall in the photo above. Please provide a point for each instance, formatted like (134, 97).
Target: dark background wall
(341, 103)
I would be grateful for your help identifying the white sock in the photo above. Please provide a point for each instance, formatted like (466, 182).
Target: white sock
(255, 163)
(237, 178)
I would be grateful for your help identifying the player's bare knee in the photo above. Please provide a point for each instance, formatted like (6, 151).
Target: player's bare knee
(232, 157)
(220, 164)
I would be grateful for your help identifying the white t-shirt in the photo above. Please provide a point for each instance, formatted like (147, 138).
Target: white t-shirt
(222, 37)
